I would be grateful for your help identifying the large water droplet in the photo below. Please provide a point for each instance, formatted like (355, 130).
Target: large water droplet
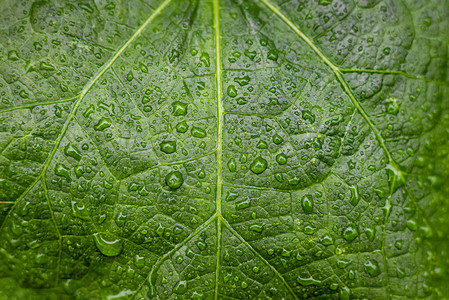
(179, 108)
(72, 151)
(259, 165)
(62, 170)
(372, 267)
(350, 233)
(174, 179)
(168, 147)
(307, 204)
(232, 92)
(181, 287)
(307, 281)
(102, 124)
(108, 244)
(182, 127)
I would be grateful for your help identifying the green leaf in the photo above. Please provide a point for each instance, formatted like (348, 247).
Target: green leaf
(224, 149)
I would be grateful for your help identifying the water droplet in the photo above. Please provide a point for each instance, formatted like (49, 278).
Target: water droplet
(350, 233)
(181, 287)
(179, 108)
(102, 124)
(398, 244)
(327, 240)
(370, 233)
(243, 204)
(372, 267)
(108, 244)
(130, 76)
(355, 198)
(182, 127)
(242, 81)
(259, 165)
(174, 179)
(273, 55)
(307, 281)
(168, 147)
(412, 224)
(232, 92)
(307, 204)
(279, 177)
(345, 293)
(308, 115)
(250, 54)
(395, 176)
(198, 132)
(201, 174)
(58, 111)
(139, 261)
(121, 220)
(62, 170)
(231, 165)
(256, 228)
(281, 158)
(277, 139)
(201, 245)
(179, 259)
(143, 68)
(72, 151)
(46, 67)
(205, 59)
(262, 145)
(342, 263)
(12, 55)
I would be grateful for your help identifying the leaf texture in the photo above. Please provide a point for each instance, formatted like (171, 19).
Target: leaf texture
(224, 149)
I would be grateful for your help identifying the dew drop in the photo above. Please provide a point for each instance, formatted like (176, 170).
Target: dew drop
(372, 267)
(231, 165)
(168, 147)
(108, 244)
(259, 165)
(174, 179)
(232, 92)
(102, 124)
(179, 108)
(350, 233)
(307, 204)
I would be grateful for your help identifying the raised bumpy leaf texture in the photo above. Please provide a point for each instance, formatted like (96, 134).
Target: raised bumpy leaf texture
(224, 149)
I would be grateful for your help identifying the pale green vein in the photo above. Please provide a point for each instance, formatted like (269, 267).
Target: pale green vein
(237, 235)
(179, 162)
(176, 248)
(391, 72)
(337, 73)
(44, 184)
(80, 99)
(38, 104)
(95, 147)
(219, 134)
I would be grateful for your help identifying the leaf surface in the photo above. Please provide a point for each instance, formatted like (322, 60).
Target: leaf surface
(224, 149)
